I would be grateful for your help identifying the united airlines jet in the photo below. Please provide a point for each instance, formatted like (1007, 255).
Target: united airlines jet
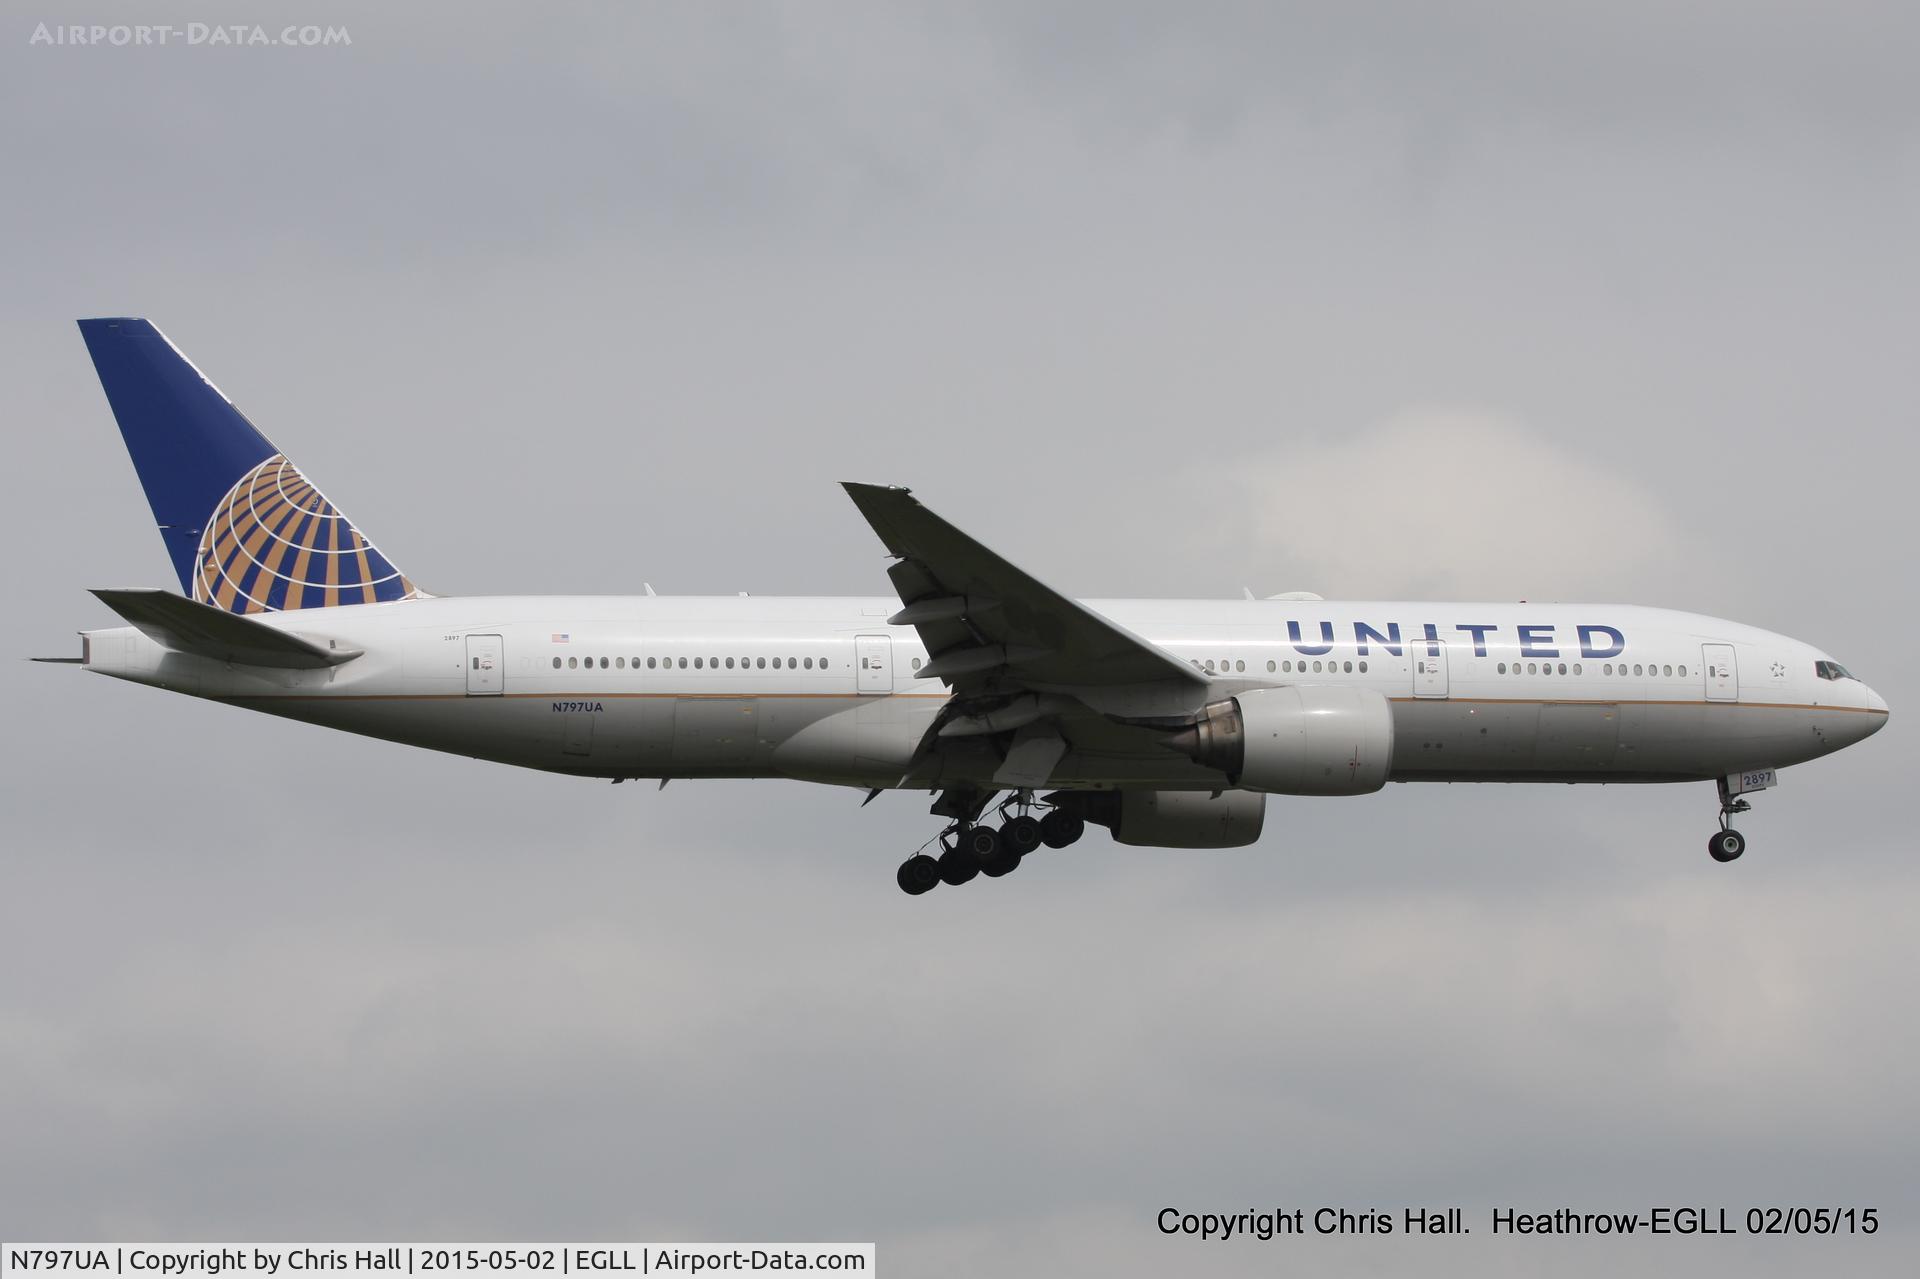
(1024, 713)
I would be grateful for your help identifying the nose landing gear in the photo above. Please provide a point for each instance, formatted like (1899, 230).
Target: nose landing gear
(1727, 843)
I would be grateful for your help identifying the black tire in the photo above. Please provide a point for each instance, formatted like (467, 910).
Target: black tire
(917, 874)
(1727, 845)
(1021, 835)
(1004, 862)
(957, 866)
(982, 843)
(1060, 828)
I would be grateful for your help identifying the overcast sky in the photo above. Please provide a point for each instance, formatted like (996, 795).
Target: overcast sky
(1482, 299)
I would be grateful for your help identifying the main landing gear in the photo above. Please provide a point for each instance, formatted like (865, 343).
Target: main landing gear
(1727, 843)
(969, 848)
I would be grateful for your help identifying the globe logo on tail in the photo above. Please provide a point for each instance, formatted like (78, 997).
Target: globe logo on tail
(275, 542)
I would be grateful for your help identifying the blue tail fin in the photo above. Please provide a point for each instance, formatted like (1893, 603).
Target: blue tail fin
(246, 531)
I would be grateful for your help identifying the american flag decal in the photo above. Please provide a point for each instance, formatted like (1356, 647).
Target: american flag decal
(562, 637)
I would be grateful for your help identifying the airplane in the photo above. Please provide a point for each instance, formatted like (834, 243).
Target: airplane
(1027, 715)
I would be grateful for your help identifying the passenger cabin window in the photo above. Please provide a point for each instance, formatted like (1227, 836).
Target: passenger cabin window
(556, 663)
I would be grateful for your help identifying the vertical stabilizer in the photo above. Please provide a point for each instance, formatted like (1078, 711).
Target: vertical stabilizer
(245, 530)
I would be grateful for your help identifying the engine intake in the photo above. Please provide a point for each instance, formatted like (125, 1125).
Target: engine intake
(1312, 740)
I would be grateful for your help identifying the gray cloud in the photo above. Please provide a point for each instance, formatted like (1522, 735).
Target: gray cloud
(568, 300)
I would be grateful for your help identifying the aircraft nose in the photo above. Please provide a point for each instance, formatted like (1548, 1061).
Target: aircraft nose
(1878, 703)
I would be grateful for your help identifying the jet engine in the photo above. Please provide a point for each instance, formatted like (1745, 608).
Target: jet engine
(1170, 818)
(1311, 740)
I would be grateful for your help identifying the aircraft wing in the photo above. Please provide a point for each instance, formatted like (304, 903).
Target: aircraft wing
(990, 625)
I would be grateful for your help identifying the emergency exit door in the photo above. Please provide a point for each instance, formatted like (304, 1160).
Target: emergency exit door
(873, 655)
(486, 666)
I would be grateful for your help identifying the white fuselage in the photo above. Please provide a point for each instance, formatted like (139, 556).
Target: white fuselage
(824, 689)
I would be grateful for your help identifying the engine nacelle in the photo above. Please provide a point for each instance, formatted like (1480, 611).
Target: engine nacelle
(1173, 818)
(1312, 740)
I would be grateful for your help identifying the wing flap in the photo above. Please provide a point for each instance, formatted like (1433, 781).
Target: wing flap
(185, 626)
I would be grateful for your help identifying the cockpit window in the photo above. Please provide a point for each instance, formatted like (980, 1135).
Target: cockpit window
(1832, 670)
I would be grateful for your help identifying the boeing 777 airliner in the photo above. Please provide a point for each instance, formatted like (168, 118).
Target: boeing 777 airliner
(1025, 713)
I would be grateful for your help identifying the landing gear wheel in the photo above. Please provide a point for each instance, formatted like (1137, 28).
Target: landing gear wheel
(957, 866)
(1021, 835)
(917, 874)
(1727, 845)
(1003, 862)
(1060, 828)
(982, 843)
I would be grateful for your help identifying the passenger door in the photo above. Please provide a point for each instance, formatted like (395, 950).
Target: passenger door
(1429, 668)
(486, 666)
(873, 656)
(1723, 672)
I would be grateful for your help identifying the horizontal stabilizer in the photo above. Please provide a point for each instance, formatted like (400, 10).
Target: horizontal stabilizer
(189, 627)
